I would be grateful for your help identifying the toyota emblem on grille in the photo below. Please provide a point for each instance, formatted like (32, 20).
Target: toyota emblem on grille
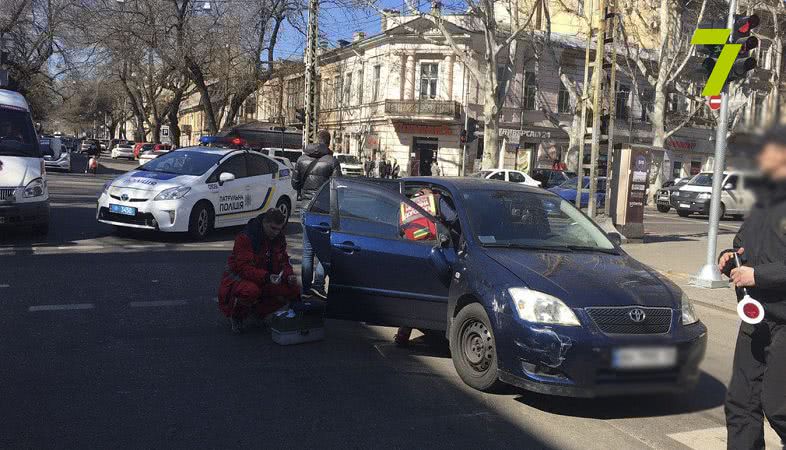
(637, 315)
(124, 197)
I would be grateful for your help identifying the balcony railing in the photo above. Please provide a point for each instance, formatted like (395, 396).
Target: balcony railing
(423, 107)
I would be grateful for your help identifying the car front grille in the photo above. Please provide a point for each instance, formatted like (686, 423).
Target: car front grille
(685, 195)
(6, 193)
(117, 197)
(619, 321)
(143, 219)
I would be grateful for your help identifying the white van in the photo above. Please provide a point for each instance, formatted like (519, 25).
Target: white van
(24, 196)
(736, 197)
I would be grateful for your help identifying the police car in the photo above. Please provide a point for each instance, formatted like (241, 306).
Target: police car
(196, 189)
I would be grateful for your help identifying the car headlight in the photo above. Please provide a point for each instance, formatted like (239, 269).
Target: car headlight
(675, 193)
(704, 196)
(537, 307)
(34, 188)
(174, 193)
(689, 315)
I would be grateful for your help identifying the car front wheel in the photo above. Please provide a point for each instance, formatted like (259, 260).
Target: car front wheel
(201, 221)
(473, 349)
(283, 205)
(664, 208)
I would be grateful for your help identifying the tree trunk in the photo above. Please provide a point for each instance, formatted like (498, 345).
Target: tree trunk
(155, 131)
(204, 97)
(576, 131)
(140, 135)
(658, 117)
(491, 129)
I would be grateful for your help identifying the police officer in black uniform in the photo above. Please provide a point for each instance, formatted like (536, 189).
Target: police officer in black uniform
(758, 383)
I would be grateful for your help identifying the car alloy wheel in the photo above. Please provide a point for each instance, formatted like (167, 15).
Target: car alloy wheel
(202, 222)
(283, 206)
(477, 346)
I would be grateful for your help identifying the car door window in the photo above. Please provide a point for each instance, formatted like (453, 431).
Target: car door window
(516, 177)
(235, 165)
(259, 165)
(321, 202)
(732, 180)
(497, 176)
(380, 213)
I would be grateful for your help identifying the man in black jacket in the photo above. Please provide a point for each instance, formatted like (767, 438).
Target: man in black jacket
(312, 170)
(757, 387)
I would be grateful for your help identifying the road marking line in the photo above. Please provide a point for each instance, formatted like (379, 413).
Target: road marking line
(74, 247)
(5, 285)
(158, 303)
(70, 306)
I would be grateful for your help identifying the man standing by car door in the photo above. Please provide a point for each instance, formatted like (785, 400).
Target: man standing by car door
(313, 169)
(757, 388)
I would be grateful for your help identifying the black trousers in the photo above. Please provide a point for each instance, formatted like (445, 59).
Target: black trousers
(758, 385)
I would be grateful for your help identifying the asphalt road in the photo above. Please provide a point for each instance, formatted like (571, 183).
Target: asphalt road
(113, 341)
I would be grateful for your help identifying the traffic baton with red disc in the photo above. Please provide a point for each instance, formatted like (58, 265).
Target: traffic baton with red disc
(749, 309)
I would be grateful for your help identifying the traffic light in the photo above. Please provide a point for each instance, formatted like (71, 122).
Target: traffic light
(741, 34)
(472, 128)
(300, 115)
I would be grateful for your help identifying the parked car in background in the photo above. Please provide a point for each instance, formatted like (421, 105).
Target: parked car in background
(513, 176)
(736, 195)
(350, 165)
(151, 155)
(55, 153)
(90, 147)
(567, 191)
(142, 147)
(663, 195)
(162, 147)
(549, 177)
(123, 150)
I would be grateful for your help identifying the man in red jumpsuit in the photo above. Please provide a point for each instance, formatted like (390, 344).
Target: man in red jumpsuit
(258, 278)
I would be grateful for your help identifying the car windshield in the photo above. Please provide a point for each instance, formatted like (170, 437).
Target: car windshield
(530, 220)
(702, 179)
(348, 159)
(183, 162)
(17, 135)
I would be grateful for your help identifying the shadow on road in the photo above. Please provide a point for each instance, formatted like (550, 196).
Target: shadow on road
(709, 393)
(657, 238)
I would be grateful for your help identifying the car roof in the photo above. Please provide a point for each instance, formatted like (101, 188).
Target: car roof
(472, 183)
(13, 99)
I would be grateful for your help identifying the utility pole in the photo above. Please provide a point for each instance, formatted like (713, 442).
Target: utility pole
(613, 18)
(709, 275)
(597, 107)
(311, 123)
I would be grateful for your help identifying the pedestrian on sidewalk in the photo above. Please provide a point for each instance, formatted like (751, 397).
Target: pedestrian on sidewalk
(757, 389)
(313, 169)
(258, 278)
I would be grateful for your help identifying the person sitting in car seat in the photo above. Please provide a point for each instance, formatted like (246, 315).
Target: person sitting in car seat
(258, 279)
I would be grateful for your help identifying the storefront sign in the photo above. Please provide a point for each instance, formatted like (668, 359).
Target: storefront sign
(411, 128)
(676, 144)
(516, 135)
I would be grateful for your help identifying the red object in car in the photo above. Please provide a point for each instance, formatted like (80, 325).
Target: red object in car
(142, 147)
(162, 147)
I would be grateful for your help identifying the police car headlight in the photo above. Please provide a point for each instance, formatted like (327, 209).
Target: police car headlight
(704, 196)
(688, 313)
(537, 307)
(34, 188)
(174, 193)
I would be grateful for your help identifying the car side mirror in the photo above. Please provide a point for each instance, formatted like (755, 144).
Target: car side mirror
(224, 177)
(615, 238)
(728, 187)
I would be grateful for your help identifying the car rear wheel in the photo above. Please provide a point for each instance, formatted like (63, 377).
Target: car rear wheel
(473, 349)
(201, 221)
(285, 207)
(664, 208)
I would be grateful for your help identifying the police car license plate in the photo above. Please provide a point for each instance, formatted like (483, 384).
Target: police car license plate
(120, 209)
(684, 205)
(644, 358)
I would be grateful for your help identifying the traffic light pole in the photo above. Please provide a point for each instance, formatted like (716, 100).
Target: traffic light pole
(709, 276)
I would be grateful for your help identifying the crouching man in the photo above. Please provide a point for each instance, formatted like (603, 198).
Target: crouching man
(258, 278)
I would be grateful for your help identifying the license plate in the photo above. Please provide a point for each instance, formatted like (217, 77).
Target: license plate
(684, 205)
(120, 209)
(644, 358)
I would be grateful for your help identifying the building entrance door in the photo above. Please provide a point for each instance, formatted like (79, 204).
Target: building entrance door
(425, 151)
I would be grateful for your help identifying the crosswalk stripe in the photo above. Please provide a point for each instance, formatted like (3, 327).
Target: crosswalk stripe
(71, 306)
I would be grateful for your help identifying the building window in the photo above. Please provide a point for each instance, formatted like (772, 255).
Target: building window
(429, 73)
(375, 89)
(348, 89)
(676, 171)
(758, 109)
(337, 91)
(361, 82)
(647, 99)
(623, 95)
(563, 100)
(530, 91)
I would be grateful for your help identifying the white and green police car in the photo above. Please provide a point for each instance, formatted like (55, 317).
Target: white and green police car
(196, 189)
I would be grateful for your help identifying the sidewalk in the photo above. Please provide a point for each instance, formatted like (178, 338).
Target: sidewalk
(679, 261)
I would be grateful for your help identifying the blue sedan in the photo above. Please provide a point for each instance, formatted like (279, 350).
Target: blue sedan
(527, 289)
(567, 190)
